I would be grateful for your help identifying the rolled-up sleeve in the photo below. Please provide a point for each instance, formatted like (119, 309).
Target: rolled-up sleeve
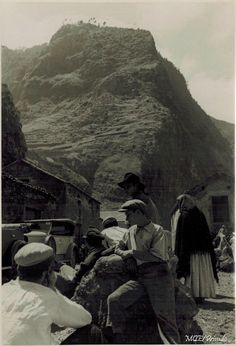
(70, 314)
(121, 247)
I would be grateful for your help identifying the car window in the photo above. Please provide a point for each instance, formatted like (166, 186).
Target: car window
(62, 229)
(41, 226)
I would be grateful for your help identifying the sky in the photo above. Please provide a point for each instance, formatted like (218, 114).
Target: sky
(196, 36)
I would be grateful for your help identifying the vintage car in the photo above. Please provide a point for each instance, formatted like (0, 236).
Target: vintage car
(12, 240)
(57, 233)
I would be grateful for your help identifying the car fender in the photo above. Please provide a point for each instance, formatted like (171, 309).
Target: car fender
(35, 237)
(50, 241)
(72, 250)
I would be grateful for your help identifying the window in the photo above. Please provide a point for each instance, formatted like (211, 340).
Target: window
(62, 228)
(220, 209)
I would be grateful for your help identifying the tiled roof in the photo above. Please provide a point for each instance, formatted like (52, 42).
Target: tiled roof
(28, 162)
(38, 189)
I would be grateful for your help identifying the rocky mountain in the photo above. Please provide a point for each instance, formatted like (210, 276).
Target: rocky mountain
(226, 129)
(13, 140)
(102, 101)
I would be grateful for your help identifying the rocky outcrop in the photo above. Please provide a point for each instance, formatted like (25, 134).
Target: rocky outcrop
(227, 130)
(13, 140)
(141, 328)
(102, 101)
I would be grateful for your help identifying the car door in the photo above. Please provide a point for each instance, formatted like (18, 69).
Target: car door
(63, 235)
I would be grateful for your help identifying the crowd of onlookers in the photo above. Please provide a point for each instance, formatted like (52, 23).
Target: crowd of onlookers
(154, 257)
(224, 246)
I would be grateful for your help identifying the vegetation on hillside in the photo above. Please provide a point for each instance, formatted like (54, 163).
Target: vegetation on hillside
(102, 101)
(13, 141)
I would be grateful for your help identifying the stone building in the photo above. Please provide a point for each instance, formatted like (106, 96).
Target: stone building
(215, 197)
(21, 201)
(71, 201)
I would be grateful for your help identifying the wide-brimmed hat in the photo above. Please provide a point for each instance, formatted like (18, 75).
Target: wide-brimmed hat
(131, 178)
(94, 234)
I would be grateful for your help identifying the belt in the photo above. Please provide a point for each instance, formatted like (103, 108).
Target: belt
(148, 265)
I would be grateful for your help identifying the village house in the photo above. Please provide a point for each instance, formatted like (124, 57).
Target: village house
(215, 197)
(21, 201)
(71, 201)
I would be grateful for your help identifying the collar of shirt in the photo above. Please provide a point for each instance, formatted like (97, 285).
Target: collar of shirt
(149, 227)
(25, 283)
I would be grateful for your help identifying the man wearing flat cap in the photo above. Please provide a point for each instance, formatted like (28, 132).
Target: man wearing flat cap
(144, 249)
(135, 189)
(31, 304)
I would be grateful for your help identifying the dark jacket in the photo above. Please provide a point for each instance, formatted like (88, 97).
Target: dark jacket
(192, 236)
(88, 263)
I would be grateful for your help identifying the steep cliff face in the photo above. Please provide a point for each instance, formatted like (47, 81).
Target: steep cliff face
(13, 140)
(227, 130)
(102, 101)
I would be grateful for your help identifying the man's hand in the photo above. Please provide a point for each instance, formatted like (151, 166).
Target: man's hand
(108, 252)
(126, 254)
(131, 265)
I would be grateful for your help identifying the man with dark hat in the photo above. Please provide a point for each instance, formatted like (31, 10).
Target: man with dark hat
(31, 304)
(96, 249)
(144, 244)
(112, 232)
(136, 190)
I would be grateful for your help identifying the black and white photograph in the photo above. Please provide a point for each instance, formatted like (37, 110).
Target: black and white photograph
(117, 172)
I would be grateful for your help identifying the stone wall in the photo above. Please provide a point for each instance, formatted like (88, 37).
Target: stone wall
(82, 208)
(17, 197)
(219, 187)
(71, 202)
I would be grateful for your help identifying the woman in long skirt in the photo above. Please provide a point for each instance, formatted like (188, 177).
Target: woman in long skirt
(194, 249)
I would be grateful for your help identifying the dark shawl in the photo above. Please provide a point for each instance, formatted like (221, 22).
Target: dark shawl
(192, 236)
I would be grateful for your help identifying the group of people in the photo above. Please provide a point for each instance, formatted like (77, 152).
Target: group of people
(32, 303)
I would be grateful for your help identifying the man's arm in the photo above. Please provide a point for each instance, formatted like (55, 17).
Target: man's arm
(70, 314)
(105, 240)
(86, 266)
(121, 248)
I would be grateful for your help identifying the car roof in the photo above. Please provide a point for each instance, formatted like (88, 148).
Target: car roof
(50, 220)
(14, 225)
(11, 225)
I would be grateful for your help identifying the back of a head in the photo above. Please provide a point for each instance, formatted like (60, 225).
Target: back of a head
(94, 237)
(33, 259)
(109, 222)
(186, 201)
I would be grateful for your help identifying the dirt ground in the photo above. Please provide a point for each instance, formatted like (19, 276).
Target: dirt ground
(216, 316)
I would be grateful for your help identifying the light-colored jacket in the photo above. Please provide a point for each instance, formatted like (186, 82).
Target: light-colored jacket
(29, 309)
(113, 235)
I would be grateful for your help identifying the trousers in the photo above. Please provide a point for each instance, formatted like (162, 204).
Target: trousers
(90, 334)
(156, 281)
